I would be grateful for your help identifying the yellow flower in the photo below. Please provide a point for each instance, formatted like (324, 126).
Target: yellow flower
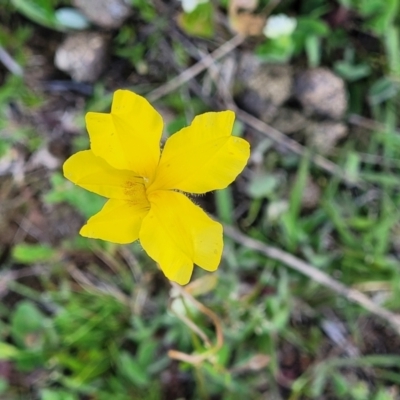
(145, 189)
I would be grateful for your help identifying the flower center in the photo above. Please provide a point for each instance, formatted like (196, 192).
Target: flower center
(135, 188)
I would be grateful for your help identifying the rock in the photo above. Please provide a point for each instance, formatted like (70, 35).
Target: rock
(250, 101)
(272, 82)
(289, 121)
(264, 87)
(323, 136)
(321, 92)
(83, 56)
(109, 14)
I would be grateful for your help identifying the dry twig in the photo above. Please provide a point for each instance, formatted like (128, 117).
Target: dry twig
(10, 276)
(293, 146)
(195, 69)
(369, 124)
(316, 275)
(198, 358)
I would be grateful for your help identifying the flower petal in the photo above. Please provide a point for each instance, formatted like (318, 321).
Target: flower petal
(94, 174)
(176, 233)
(128, 137)
(118, 221)
(203, 156)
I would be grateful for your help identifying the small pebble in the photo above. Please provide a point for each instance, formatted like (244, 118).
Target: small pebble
(83, 56)
(265, 87)
(289, 121)
(321, 93)
(323, 136)
(109, 14)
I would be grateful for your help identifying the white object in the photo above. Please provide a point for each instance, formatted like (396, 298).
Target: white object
(190, 5)
(279, 25)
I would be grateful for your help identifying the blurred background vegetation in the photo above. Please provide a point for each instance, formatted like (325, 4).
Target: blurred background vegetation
(315, 86)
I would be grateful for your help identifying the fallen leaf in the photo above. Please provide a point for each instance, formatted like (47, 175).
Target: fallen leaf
(249, 5)
(242, 19)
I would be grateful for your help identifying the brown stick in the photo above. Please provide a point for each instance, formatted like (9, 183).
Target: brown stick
(316, 275)
(292, 145)
(195, 69)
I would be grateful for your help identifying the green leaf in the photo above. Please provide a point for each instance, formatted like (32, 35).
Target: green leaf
(146, 352)
(132, 370)
(392, 44)
(351, 72)
(33, 253)
(381, 179)
(370, 7)
(380, 14)
(311, 26)
(146, 9)
(199, 22)
(313, 50)
(50, 394)
(340, 385)
(299, 187)
(7, 351)
(352, 166)
(277, 50)
(262, 186)
(308, 27)
(383, 89)
(340, 223)
(29, 360)
(26, 319)
(39, 11)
